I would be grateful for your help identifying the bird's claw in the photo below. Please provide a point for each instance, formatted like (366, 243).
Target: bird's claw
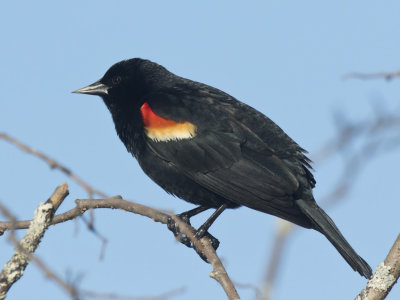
(180, 237)
(214, 243)
(184, 217)
(200, 233)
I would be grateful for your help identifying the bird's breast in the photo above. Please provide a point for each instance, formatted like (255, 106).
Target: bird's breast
(162, 130)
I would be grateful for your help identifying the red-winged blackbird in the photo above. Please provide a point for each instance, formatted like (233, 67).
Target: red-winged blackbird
(208, 148)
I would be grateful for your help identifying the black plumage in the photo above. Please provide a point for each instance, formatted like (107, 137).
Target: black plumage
(210, 149)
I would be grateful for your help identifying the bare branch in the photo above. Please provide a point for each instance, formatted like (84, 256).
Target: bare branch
(349, 132)
(14, 268)
(284, 229)
(82, 205)
(202, 246)
(384, 75)
(53, 164)
(113, 296)
(70, 289)
(386, 275)
(249, 286)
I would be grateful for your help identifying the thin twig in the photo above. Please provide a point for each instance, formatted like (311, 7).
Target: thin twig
(57, 165)
(284, 229)
(349, 133)
(384, 75)
(70, 289)
(113, 296)
(249, 286)
(53, 164)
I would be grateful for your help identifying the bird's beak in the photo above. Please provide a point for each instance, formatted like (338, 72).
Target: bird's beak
(96, 88)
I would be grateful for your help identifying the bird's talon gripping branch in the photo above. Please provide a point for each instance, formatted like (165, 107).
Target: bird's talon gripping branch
(200, 233)
(183, 239)
(171, 225)
(180, 237)
(214, 241)
(185, 218)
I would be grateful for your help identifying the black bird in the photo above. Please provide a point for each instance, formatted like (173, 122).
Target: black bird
(210, 149)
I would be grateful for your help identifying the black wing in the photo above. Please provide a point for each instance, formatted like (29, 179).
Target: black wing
(237, 152)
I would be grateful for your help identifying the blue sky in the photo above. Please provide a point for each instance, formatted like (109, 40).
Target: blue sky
(285, 58)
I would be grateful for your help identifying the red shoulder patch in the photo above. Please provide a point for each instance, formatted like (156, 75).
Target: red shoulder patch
(150, 119)
(160, 129)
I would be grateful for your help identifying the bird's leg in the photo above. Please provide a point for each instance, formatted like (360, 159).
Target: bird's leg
(185, 217)
(203, 230)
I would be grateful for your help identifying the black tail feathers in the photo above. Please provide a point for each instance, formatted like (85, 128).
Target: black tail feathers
(324, 224)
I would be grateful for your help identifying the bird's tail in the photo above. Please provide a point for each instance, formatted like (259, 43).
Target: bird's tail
(324, 224)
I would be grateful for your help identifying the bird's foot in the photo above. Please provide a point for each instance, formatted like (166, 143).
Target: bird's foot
(213, 240)
(200, 233)
(214, 243)
(180, 237)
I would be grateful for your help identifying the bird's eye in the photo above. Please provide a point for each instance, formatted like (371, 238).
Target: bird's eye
(116, 80)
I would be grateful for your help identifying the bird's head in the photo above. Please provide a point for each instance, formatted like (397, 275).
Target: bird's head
(127, 82)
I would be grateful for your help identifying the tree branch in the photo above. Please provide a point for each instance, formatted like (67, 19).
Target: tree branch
(204, 246)
(281, 237)
(14, 268)
(113, 296)
(201, 246)
(386, 275)
(53, 164)
(385, 75)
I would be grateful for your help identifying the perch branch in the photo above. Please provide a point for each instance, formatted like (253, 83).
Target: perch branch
(202, 246)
